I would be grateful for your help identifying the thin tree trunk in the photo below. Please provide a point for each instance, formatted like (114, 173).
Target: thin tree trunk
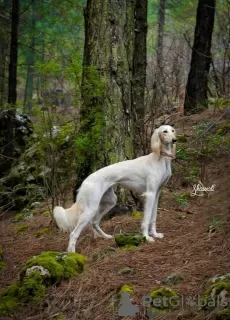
(12, 84)
(139, 76)
(158, 84)
(12, 91)
(197, 85)
(4, 51)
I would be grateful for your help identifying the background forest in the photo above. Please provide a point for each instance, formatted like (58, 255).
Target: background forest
(83, 84)
(94, 76)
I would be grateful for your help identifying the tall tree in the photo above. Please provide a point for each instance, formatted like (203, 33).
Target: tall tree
(158, 83)
(139, 76)
(12, 93)
(12, 83)
(30, 63)
(4, 48)
(113, 82)
(197, 84)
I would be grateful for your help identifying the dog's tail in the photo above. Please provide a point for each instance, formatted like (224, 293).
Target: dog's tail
(67, 219)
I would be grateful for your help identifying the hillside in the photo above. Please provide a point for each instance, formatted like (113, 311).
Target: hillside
(196, 244)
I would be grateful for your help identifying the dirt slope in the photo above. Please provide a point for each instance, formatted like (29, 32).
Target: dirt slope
(188, 249)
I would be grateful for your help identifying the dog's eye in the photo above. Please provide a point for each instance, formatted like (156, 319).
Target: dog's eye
(173, 130)
(165, 131)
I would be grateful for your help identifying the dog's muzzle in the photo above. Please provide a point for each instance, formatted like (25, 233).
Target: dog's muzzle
(174, 141)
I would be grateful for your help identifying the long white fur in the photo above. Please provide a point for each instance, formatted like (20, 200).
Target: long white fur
(96, 196)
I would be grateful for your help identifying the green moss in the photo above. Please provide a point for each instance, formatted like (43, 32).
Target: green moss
(37, 274)
(223, 129)
(40, 232)
(132, 238)
(32, 288)
(8, 305)
(126, 288)
(18, 217)
(46, 213)
(165, 298)
(60, 265)
(223, 315)
(214, 294)
(21, 228)
(12, 290)
(137, 215)
(128, 247)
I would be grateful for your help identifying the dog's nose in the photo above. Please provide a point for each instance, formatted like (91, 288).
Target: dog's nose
(174, 140)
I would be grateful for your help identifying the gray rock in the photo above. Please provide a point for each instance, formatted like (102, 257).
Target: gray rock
(173, 279)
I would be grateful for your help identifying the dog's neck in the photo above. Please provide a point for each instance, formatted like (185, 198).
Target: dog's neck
(167, 151)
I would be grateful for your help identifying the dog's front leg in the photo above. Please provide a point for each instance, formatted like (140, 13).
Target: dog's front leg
(152, 225)
(149, 202)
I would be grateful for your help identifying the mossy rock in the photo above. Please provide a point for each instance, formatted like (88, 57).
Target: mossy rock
(43, 231)
(129, 239)
(39, 272)
(126, 288)
(59, 265)
(218, 278)
(137, 215)
(26, 214)
(223, 314)
(32, 289)
(126, 271)
(8, 304)
(173, 279)
(216, 295)
(21, 228)
(165, 299)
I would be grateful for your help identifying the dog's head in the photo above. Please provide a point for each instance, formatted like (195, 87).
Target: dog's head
(164, 135)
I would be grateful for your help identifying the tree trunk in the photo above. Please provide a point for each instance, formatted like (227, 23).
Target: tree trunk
(4, 50)
(197, 85)
(12, 84)
(139, 77)
(12, 93)
(113, 82)
(158, 83)
(30, 61)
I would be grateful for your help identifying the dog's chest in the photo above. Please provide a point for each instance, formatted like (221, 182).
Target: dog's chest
(166, 174)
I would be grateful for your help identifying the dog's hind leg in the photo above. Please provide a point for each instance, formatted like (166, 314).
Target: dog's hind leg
(84, 219)
(108, 201)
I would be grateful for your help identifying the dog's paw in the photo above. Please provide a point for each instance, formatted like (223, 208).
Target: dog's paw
(108, 236)
(150, 239)
(158, 235)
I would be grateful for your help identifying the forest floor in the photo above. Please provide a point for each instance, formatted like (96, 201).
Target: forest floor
(196, 246)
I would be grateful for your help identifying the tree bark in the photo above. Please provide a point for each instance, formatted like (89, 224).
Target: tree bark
(12, 84)
(30, 61)
(139, 76)
(197, 84)
(158, 84)
(113, 82)
(12, 91)
(4, 50)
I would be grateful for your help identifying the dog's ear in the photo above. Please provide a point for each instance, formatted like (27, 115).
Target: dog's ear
(156, 144)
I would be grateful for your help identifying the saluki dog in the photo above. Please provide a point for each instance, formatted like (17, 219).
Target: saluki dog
(145, 175)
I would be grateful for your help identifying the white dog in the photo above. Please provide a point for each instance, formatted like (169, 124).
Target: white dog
(145, 175)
